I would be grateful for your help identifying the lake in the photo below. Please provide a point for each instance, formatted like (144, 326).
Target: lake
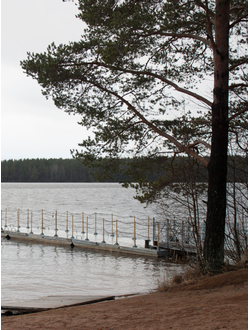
(33, 270)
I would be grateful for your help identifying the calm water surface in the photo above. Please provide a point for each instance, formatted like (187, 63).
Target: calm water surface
(32, 271)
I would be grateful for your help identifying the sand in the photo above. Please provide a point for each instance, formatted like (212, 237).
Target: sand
(218, 302)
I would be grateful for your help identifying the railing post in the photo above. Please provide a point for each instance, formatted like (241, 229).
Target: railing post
(42, 224)
(87, 229)
(134, 234)
(56, 225)
(158, 239)
(203, 231)
(95, 233)
(153, 229)
(28, 219)
(168, 233)
(148, 228)
(112, 231)
(103, 241)
(183, 233)
(18, 221)
(67, 222)
(116, 233)
(188, 230)
(5, 218)
(31, 232)
(83, 223)
(72, 227)
(174, 229)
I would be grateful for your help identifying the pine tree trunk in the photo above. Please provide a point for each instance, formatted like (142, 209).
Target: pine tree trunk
(217, 168)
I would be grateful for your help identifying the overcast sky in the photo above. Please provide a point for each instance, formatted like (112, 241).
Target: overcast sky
(31, 126)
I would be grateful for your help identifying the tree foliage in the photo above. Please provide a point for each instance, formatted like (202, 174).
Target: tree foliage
(153, 78)
(136, 66)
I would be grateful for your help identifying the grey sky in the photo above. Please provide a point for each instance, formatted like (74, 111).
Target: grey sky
(31, 126)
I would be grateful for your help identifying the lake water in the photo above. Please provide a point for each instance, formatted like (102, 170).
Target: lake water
(33, 270)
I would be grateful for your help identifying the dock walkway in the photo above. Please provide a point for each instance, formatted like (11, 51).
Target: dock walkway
(155, 250)
(78, 243)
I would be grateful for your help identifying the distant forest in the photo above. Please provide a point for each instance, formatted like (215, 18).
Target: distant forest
(72, 170)
(44, 170)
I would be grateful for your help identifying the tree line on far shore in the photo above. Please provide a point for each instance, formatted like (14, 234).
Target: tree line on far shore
(72, 170)
(44, 170)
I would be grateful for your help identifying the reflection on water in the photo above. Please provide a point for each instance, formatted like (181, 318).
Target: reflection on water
(31, 271)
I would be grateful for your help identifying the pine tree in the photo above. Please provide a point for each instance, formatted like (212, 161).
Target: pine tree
(141, 79)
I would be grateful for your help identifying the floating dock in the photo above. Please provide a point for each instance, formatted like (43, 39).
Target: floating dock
(171, 239)
(163, 249)
(152, 251)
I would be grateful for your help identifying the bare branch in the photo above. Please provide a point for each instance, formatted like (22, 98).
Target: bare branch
(231, 87)
(180, 89)
(238, 64)
(205, 7)
(237, 21)
(237, 8)
(189, 36)
(209, 27)
(207, 145)
(238, 113)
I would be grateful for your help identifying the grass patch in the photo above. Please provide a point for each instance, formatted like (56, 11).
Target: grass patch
(194, 273)
(191, 274)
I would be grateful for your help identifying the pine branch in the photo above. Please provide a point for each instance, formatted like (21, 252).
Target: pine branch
(153, 127)
(147, 73)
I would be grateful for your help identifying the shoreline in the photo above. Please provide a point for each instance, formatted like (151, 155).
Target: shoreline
(215, 302)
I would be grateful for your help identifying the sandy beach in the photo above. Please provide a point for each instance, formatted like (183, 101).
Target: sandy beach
(218, 302)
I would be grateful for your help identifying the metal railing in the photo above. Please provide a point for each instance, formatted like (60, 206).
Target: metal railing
(103, 228)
